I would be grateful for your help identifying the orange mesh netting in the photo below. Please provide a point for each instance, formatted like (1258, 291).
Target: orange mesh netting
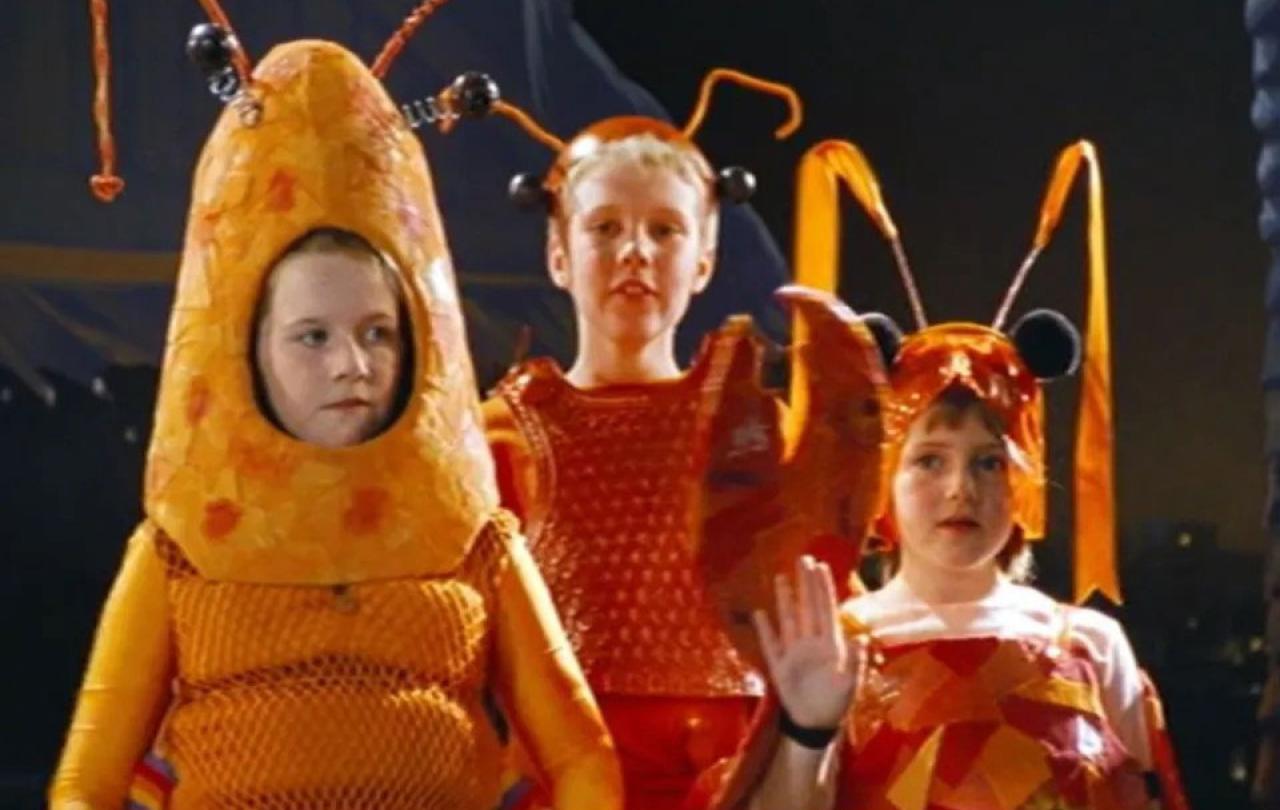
(368, 695)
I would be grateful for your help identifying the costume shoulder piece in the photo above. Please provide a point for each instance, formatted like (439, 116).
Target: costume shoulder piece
(326, 148)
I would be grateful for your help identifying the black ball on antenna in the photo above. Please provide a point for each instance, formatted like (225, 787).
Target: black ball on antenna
(210, 47)
(735, 184)
(474, 93)
(526, 191)
(1047, 342)
(887, 334)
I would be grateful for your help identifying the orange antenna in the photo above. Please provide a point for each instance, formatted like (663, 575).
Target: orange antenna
(817, 239)
(238, 56)
(402, 36)
(526, 122)
(106, 184)
(746, 80)
(817, 242)
(1055, 199)
(1095, 564)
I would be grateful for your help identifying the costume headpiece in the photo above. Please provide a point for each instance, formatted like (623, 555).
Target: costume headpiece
(1004, 370)
(732, 184)
(310, 140)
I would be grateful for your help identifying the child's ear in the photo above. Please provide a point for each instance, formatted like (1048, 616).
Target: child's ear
(557, 258)
(707, 261)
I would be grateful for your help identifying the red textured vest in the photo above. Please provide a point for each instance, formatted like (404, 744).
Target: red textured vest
(611, 531)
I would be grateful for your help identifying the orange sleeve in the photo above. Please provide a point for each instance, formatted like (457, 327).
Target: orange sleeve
(546, 697)
(125, 689)
(513, 463)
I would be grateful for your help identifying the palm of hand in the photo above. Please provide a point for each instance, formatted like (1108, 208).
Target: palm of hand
(815, 680)
(814, 668)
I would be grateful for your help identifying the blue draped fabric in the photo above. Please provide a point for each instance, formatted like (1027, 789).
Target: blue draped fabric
(85, 316)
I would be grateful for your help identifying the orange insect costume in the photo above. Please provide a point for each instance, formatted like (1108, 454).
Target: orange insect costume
(606, 480)
(323, 625)
(1014, 701)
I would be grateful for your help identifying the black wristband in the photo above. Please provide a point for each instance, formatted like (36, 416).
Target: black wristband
(815, 738)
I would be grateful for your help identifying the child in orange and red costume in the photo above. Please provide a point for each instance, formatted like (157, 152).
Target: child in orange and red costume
(605, 461)
(324, 593)
(955, 686)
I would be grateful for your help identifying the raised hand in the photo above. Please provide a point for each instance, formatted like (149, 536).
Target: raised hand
(814, 667)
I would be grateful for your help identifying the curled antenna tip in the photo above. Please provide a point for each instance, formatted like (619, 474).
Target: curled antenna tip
(793, 121)
(106, 187)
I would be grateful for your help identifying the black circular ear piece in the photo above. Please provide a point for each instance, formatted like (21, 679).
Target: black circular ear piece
(212, 48)
(526, 191)
(1047, 342)
(735, 184)
(474, 94)
(887, 334)
(209, 47)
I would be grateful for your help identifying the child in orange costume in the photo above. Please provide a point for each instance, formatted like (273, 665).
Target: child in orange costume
(324, 575)
(954, 686)
(604, 461)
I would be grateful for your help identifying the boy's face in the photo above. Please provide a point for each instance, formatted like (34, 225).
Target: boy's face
(329, 347)
(631, 249)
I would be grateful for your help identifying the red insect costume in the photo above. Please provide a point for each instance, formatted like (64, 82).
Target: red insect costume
(1012, 701)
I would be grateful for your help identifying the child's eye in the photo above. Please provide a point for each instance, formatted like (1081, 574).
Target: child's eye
(378, 334)
(605, 228)
(313, 338)
(664, 230)
(992, 463)
(928, 461)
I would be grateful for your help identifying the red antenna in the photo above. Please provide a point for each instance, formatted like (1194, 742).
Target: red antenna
(402, 36)
(106, 184)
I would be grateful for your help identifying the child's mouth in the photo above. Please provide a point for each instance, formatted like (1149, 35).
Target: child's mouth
(633, 289)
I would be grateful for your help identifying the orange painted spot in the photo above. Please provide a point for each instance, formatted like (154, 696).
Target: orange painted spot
(197, 400)
(280, 191)
(205, 226)
(220, 518)
(254, 461)
(367, 510)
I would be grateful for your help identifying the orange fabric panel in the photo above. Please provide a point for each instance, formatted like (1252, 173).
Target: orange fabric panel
(126, 685)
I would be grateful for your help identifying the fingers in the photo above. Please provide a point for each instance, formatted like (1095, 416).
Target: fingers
(824, 602)
(816, 597)
(770, 645)
(806, 609)
(806, 616)
(788, 621)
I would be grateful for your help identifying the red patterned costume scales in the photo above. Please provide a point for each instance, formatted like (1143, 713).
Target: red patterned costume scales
(1004, 699)
(605, 473)
(606, 479)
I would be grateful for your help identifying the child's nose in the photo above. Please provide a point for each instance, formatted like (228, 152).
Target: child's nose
(353, 361)
(961, 484)
(637, 251)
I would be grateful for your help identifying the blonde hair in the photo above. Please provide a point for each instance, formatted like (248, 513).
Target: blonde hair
(652, 153)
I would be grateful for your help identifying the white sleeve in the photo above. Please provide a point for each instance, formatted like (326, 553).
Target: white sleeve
(1119, 680)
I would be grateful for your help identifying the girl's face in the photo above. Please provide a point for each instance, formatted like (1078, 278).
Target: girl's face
(951, 494)
(329, 348)
(632, 250)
